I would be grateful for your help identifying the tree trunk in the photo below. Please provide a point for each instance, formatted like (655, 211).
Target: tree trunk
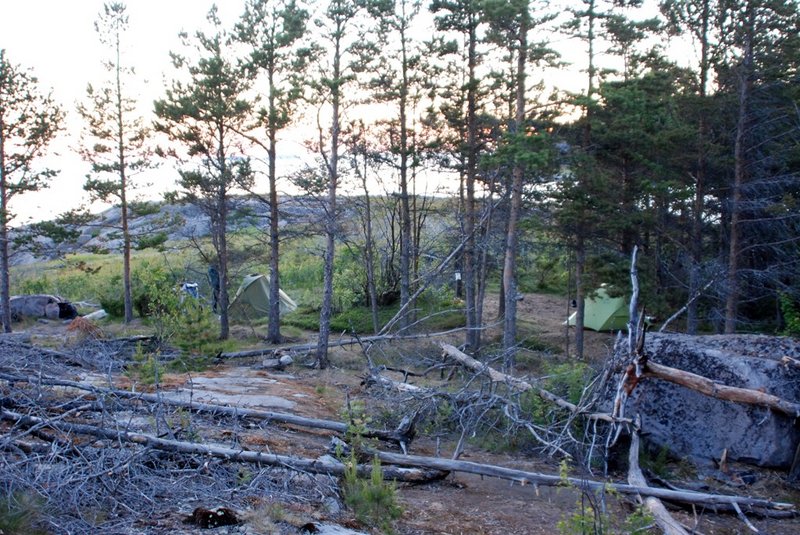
(473, 329)
(405, 211)
(274, 329)
(580, 263)
(700, 179)
(740, 166)
(123, 193)
(222, 207)
(330, 224)
(5, 286)
(515, 208)
(369, 253)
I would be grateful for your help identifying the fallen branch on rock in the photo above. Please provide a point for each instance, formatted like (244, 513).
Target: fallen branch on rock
(717, 390)
(236, 412)
(316, 466)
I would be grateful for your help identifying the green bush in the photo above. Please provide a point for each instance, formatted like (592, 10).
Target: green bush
(791, 316)
(145, 367)
(373, 500)
(565, 380)
(111, 297)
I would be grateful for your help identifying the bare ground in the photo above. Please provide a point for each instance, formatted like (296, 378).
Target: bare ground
(460, 504)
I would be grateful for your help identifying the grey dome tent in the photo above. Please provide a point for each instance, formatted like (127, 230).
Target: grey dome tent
(603, 313)
(253, 293)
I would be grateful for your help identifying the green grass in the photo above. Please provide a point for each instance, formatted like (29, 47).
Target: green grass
(97, 278)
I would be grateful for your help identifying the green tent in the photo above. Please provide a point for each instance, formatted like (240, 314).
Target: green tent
(604, 313)
(253, 294)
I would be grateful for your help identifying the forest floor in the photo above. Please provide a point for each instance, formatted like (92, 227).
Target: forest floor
(459, 504)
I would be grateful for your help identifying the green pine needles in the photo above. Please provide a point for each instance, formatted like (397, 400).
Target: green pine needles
(372, 500)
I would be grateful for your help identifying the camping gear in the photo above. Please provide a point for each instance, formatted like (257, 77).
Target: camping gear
(603, 312)
(191, 288)
(254, 293)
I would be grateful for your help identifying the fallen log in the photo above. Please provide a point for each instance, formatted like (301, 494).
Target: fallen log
(711, 388)
(437, 464)
(340, 342)
(536, 478)
(317, 466)
(520, 385)
(664, 520)
(398, 437)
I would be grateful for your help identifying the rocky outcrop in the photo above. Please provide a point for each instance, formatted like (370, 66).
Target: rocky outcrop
(694, 425)
(178, 222)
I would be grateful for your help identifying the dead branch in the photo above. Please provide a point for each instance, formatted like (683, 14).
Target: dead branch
(664, 520)
(536, 478)
(518, 384)
(341, 342)
(325, 465)
(717, 390)
(685, 307)
(236, 412)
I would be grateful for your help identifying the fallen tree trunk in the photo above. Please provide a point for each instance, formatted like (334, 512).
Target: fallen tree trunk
(236, 412)
(717, 390)
(664, 520)
(317, 466)
(520, 385)
(440, 466)
(535, 478)
(341, 342)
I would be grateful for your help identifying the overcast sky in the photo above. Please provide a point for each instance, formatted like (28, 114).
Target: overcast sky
(57, 40)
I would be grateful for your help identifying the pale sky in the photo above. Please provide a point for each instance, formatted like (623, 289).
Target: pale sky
(57, 40)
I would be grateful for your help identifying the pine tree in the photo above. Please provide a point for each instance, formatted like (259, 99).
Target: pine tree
(463, 17)
(115, 142)
(697, 18)
(393, 81)
(29, 121)
(207, 114)
(337, 28)
(273, 29)
(763, 38)
(510, 22)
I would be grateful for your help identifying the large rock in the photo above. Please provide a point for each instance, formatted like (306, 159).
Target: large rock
(693, 425)
(41, 306)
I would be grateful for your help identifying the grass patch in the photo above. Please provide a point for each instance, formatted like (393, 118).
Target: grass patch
(19, 513)
(533, 343)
